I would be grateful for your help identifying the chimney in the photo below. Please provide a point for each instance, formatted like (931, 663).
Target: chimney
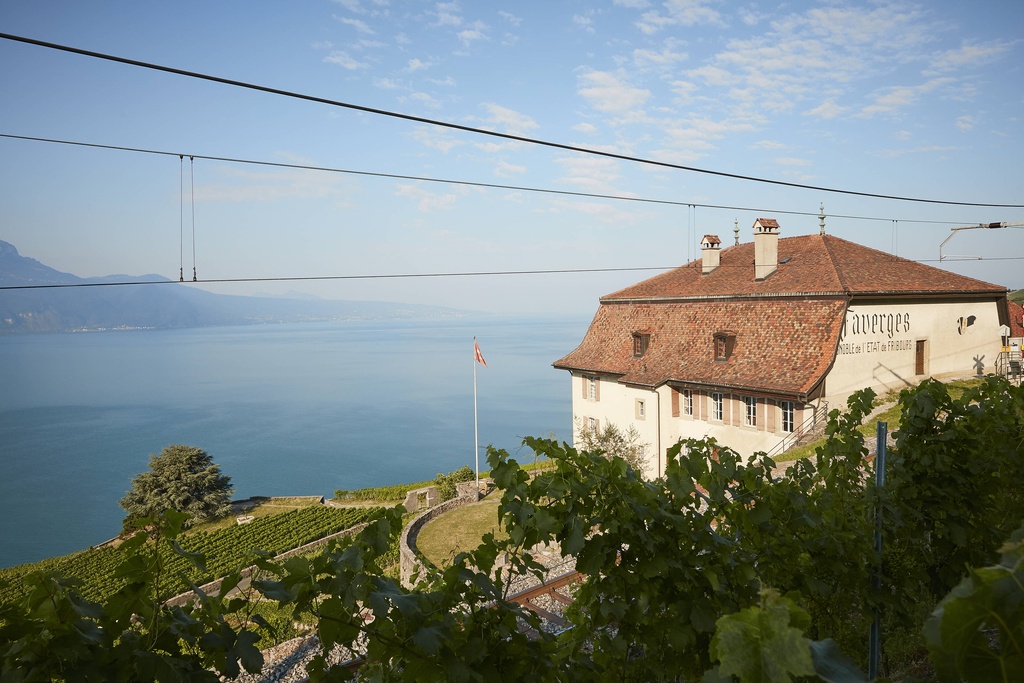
(710, 255)
(766, 247)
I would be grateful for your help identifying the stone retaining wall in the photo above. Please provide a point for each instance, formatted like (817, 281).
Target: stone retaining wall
(410, 563)
(213, 588)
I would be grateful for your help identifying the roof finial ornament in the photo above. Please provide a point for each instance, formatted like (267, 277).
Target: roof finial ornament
(821, 217)
(736, 230)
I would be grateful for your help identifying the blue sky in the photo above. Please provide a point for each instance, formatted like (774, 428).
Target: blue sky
(911, 99)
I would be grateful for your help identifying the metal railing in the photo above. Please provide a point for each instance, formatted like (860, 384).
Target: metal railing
(818, 415)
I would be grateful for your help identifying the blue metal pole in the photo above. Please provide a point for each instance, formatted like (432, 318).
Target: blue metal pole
(875, 645)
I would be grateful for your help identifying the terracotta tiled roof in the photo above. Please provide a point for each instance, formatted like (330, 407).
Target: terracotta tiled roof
(809, 264)
(786, 326)
(783, 346)
(1016, 320)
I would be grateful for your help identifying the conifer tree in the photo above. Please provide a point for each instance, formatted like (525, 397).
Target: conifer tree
(181, 478)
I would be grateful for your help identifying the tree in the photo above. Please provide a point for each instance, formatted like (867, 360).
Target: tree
(181, 478)
(613, 442)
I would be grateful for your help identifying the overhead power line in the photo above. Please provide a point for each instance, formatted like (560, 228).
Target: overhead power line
(468, 183)
(481, 131)
(395, 276)
(391, 276)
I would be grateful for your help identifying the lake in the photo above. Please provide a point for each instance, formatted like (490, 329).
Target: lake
(299, 409)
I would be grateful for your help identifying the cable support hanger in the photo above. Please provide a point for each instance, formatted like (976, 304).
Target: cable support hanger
(468, 183)
(481, 131)
(191, 161)
(181, 219)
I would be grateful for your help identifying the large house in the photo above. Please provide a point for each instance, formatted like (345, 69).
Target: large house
(752, 341)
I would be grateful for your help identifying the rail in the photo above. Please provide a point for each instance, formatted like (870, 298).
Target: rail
(806, 427)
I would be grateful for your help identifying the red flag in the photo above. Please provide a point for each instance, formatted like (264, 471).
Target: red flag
(479, 356)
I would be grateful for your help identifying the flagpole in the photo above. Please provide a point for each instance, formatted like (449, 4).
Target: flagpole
(476, 432)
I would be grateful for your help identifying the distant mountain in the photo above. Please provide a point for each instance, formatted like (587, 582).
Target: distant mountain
(159, 306)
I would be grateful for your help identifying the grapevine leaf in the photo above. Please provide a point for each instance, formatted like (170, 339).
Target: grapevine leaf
(198, 560)
(759, 644)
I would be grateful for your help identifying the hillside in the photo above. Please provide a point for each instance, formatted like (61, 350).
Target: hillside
(167, 304)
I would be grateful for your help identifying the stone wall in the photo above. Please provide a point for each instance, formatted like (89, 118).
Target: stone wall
(410, 561)
(213, 588)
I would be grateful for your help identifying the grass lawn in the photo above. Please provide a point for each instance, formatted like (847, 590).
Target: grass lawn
(459, 530)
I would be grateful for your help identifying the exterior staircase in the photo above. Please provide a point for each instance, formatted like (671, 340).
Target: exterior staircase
(811, 429)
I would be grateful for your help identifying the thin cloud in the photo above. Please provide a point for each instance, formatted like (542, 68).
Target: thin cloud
(424, 99)
(508, 120)
(585, 22)
(609, 93)
(346, 61)
(966, 123)
(357, 24)
(927, 149)
(827, 109)
(506, 170)
(474, 34)
(679, 13)
(593, 174)
(415, 64)
(894, 99)
(510, 18)
(968, 55)
(668, 56)
(447, 14)
(426, 202)
(437, 138)
(792, 161)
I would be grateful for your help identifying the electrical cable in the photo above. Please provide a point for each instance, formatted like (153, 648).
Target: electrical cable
(470, 183)
(487, 273)
(481, 131)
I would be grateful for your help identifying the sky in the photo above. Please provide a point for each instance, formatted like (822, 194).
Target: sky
(920, 100)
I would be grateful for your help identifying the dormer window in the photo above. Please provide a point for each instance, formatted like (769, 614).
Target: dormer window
(724, 342)
(640, 343)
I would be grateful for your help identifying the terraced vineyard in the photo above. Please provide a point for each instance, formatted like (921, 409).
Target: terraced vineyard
(225, 549)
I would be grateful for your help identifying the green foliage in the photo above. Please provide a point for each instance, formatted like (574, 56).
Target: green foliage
(181, 478)
(445, 483)
(397, 492)
(977, 631)
(764, 643)
(225, 550)
(52, 634)
(676, 569)
(950, 500)
(455, 627)
(613, 442)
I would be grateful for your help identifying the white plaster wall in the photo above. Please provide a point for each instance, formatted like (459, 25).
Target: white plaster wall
(741, 438)
(617, 405)
(878, 348)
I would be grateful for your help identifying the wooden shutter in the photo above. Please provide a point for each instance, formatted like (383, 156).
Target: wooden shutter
(919, 357)
(586, 385)
(675, 403)
(597, 388)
